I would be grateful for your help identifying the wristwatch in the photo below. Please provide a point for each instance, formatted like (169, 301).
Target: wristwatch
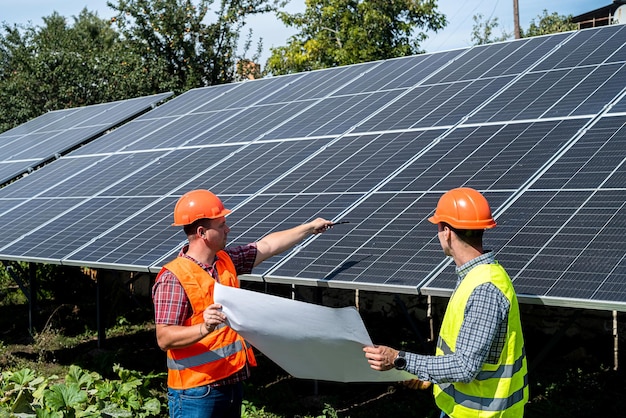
(400, 361)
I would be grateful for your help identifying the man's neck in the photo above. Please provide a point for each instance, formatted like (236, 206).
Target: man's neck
(468, 254)
(202, 254)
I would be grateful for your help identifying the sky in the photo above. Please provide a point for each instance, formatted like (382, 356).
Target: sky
(456, 35)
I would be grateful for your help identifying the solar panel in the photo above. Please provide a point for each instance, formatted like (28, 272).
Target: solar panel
(123, 247)
(383, 227)
(562, 238)
(536, 124)
(52, 134)
(399, 73)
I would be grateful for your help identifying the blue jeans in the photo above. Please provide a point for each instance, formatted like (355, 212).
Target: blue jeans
(206, 402)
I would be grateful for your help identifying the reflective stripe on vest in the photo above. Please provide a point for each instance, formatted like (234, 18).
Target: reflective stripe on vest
(204, 358)
(498, 389)
(479, 404)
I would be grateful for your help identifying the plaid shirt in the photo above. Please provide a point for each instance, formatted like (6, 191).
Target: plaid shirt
(172, 307)
(481, 338)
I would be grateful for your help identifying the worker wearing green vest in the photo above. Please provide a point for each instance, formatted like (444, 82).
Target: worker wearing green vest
(479, 367)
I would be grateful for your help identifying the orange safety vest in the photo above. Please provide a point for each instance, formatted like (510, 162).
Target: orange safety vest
(220, 353)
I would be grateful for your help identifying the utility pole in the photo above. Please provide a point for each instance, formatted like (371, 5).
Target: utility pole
(516, 19)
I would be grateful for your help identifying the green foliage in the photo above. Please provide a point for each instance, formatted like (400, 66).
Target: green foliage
(342, 32)
(61, 65)
(545, 24)
(19, 390)
(249, 410)
(549, 23)
(81, 394)
(10, 293)
(151, 46)
(329, 412)
(67, 399)
(483, 31)
(63, 288)
(181, 43)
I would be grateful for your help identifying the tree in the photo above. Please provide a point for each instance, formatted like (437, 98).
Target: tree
(342, 32)
(58, 66)
(549, 23)
(163, 45)
(173, 36)
(483, 31)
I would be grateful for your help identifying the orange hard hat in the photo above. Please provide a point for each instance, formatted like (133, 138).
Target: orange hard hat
(198, 204)
(463, 208)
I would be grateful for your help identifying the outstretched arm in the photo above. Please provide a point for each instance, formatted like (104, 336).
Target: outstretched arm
(277, 242)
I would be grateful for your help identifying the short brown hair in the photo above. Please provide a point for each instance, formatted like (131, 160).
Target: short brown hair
(469, 236)
(191, 228)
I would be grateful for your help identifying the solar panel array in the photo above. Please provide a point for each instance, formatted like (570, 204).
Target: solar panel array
(50, 135)
(537, 125)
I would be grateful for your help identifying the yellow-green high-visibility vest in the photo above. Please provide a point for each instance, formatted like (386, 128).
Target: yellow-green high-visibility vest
(500, 389)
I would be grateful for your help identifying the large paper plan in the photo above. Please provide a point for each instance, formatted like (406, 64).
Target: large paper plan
(307, 340)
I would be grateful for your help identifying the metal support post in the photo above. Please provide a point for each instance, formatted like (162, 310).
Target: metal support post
(429, 316)
(615, 342)
(32, 300)
(99, 323)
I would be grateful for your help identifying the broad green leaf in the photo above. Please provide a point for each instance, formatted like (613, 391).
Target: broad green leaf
(63, 396)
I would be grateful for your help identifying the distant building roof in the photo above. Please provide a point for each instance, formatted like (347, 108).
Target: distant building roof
(599, 17)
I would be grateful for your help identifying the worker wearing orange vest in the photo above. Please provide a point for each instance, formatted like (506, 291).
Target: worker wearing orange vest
(207, 361)
(479, 368)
